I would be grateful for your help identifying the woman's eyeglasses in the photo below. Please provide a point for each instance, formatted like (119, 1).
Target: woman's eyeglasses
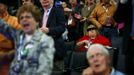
(27, 17)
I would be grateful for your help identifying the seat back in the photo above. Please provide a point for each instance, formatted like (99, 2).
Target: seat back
(114, 52)
(77, 62)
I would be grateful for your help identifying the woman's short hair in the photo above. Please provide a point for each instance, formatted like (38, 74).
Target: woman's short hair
(30, 8)
(97, 46)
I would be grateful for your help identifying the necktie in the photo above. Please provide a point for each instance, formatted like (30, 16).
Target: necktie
(45, 17)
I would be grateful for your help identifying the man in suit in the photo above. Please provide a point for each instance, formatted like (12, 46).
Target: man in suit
(124, 15)
(53, 24)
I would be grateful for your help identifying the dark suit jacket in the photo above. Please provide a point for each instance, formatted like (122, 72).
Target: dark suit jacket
(56, 25)
(124, 14)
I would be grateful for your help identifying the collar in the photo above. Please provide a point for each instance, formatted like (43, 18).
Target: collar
(35, 35)
(112, 72)
(48, 10)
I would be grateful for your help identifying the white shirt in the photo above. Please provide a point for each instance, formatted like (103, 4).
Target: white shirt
(28, 38)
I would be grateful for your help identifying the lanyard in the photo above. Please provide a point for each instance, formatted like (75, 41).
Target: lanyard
(24, 47)
(20, 47)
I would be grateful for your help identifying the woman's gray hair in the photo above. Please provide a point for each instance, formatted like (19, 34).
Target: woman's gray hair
(97, 46)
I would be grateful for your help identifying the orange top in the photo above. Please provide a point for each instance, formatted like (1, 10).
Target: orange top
(5, 43)
(12, 21)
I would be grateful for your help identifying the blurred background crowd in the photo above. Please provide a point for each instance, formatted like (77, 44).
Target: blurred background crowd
(75, 25)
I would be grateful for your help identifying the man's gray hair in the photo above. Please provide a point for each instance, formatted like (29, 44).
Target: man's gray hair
(97, 46)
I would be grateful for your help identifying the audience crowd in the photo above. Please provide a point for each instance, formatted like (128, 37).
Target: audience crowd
(37, 35)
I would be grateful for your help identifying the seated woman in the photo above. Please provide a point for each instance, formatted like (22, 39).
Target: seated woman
(92, 37)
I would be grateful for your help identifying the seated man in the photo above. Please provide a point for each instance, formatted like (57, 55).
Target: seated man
(92, 37)
(99, 60)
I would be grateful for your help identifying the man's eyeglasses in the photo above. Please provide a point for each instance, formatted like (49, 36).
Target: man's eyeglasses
(96, 55)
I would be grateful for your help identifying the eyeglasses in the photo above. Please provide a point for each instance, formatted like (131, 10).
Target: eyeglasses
(96, 55)
(27, 17)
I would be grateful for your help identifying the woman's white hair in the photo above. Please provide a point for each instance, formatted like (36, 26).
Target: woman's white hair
(92, 47)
